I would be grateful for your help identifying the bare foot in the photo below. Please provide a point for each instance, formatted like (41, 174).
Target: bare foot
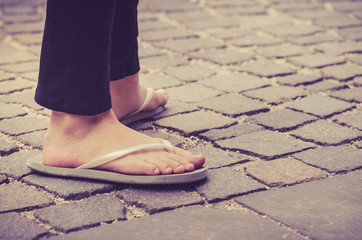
(128, 96)
(73, 140)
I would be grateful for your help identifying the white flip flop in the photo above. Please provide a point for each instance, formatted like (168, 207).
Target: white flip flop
(87, 170)
(140, 113)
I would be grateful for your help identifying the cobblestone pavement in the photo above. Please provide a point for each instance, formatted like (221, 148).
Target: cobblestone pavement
(269, 90)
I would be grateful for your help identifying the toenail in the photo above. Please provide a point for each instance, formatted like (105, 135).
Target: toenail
(156, 171)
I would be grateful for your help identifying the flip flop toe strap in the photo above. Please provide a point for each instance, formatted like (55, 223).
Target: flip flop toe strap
(145, 103)
(123, 152)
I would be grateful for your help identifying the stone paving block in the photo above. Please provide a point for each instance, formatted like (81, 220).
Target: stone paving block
(315, 60)
(265, 144)
(189, 45)
(10, 110)
(316, 14)
(13, 198)
(157, 199)
(223, 56)
(314, 39)
(30, 75)
(187, 16)
(161, 62)
(217, 158)
(281, 51)
(224, 183)
(192, 93)
(7, 148)
(172, 139)
(347, 6)
(29, 39)
(292, 30)
(204, 24)
(164, 34)
(357, 81)
(350, 95)
(195, 122)
(190, 73)
(22, 125)
(230, 33)
(333, 159)
(31, 27)
(86, 213)
(149, 52)
(242, 10)
(21, 67)
(359, 145)
(327, 133)
(236, 105)
(264, 68)
(275, 94)
(297, 6)
(13, 55)
(25, 228)
(206, 222)
(25, 98)
(14, 165)
(6, 76)
(165, 6)
(298, 79)
(34, 139)
(325, 86)
(255, 40)
(15, 85)
(69, 188)
(234, 82)
(283, 171)
(333, 213)
(337, 48)
(353, 119)
(230, 132)
(140, 126)
(263, 21)
(352, 33)
(35, 49)
(342, 72)
(9, 19)
(281, 120)
(157, 81)
(153, 26)
(174, 107)
(338, 21)
(355, 58)
(321, 106)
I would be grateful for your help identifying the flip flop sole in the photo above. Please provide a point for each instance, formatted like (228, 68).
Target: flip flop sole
(194, 176)
(142, 115)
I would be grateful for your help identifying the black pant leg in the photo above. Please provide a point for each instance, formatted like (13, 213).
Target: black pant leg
(74, 70)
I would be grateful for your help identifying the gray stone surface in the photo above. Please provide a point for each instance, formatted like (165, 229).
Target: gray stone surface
(14, 85)
(25, 229)
(321, 106)
(342, 72)
(25, 98)
(298, 79)
(316, 60)
(355, 58)
(326, 133)
(206, 222)
(283, 171)
(189, 45)
(190, 73)
(255, 40)
(223, 56)
(86, 213)
(7, 148)
(357, 81)
(176, 141)
(12, 197)
(157, 199)
(69, 188)
(10, 110)
(292, 30)
(192, 93)
(194, 122)
(236, 105)
(264, 68)
(336, 48)
(219, 185)
(353, 119)
(234, 82)
(174, 107)
(314, 39)
(232, 131)
(282, 120)
(22, 125)
(333, 213)
(34, 139)
(325, 86)
(161, 62)
(14, 165)
(333, 159)
(14, 55)
(281, 51)
(157, 81)
(264, 144)
(350, 95)
(217, 158)
(275, 94)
